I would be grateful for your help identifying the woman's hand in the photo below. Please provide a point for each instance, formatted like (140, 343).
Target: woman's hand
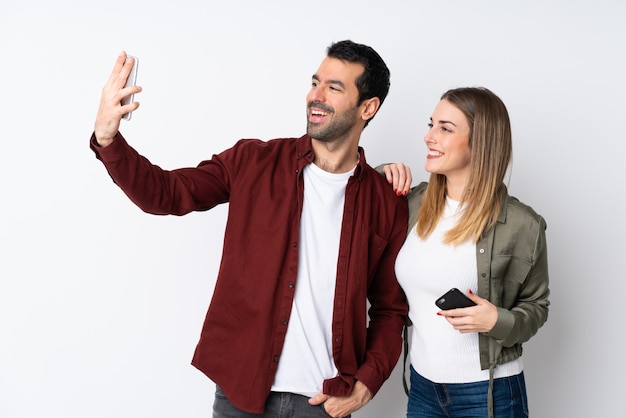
(399, 176)
(479, 318)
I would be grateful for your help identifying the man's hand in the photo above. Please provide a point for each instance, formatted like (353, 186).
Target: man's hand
(339, 407)
(111, 110)
(399, 176)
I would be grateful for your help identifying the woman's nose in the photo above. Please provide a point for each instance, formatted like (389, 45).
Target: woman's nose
(428, 138)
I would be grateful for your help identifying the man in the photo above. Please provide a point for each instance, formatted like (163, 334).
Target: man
(312, 234)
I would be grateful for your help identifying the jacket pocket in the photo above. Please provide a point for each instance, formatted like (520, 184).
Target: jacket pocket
(508, 274)
(372, 251)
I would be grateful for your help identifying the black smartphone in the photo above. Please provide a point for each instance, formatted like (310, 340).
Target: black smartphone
(453, 299)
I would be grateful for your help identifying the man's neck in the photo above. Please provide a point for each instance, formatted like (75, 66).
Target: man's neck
(338, 156)
(335, 160)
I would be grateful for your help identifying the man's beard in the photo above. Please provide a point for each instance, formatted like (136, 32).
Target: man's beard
(338, 127)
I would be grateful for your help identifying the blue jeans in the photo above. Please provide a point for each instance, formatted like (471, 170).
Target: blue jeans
(467, 400)
(277, 405)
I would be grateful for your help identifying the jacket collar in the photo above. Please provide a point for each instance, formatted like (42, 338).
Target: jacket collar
(503, 205)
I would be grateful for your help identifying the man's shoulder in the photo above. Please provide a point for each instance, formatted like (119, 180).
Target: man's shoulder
(266, 143)
(246, 147)
(381, 187)
(377, 179)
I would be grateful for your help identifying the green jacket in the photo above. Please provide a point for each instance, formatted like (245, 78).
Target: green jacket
(512, 264)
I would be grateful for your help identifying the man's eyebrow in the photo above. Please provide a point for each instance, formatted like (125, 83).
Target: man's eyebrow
(336, 82)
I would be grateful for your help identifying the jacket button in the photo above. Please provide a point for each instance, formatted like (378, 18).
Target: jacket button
(482, 251)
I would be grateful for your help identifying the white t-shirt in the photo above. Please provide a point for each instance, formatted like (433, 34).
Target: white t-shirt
(307, 359)
(426, 269)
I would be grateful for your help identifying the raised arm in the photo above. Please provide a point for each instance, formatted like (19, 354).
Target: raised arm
(111, 110)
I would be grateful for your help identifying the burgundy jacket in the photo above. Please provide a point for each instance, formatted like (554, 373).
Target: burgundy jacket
(245, 326)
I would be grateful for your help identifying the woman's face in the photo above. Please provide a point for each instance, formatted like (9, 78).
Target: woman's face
(448, 144)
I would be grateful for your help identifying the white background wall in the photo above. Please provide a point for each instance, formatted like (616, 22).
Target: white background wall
(101, 305)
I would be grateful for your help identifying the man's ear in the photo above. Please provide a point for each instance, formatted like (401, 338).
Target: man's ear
(369, 108)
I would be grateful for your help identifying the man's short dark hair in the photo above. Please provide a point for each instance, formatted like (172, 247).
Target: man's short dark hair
(374, 82)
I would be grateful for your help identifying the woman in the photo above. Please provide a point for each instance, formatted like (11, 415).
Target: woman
(466, 232)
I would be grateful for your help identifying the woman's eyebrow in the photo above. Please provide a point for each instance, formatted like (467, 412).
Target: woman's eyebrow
(441, 122)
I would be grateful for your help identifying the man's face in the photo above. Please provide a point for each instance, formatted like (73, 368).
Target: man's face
(332, 111)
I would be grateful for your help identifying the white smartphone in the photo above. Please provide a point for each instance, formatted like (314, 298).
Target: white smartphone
(130, 81)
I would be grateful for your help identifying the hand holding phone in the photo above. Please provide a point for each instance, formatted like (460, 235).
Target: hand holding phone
(454, 299)
(130, 81)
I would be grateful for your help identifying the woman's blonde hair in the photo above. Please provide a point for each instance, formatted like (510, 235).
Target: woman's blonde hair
(490, 154)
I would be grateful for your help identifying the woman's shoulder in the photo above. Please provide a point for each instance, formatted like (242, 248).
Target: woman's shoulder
(418, 191)
(414, 199)
(518, 212)
(516, 205)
